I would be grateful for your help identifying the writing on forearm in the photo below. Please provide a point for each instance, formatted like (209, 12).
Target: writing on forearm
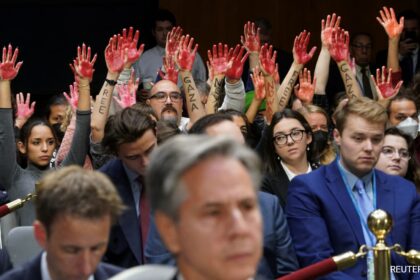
(191, 93)
(284, 98)
(269, 89)
(217, 93)
(347, 78)
(103, 102)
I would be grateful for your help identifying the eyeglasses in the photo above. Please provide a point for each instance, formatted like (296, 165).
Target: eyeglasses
(389, 152)
(162, 96)
(296, 136)
(361, 47)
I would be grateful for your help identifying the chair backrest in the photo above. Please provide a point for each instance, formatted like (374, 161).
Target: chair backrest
(148, 271)
(21, 245)
(6, 224)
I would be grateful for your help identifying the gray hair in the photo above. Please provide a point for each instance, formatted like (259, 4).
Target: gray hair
(171, 160)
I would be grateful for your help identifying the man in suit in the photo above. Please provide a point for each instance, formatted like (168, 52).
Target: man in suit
(131, 136)
(327, 209)
(210, 223)
(75, 209)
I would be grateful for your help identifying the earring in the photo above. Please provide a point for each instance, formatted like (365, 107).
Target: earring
(307, 148)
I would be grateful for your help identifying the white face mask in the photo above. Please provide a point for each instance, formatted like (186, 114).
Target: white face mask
(409, 126)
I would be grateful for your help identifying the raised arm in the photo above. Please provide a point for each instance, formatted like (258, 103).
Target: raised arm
(393, 29)
(268, 68)
(305, 90)
(300, 58)
(339, 51)
(185, 59)
(25, 109)
(8, 72)
(127, 92)
(322, 67)
(251, 41)
(259, 94)
(83, 66)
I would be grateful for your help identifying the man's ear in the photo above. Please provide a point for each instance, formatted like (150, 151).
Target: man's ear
(21, 147)
(337, 136)
(148, 101)
(168, 232)
(40, 233)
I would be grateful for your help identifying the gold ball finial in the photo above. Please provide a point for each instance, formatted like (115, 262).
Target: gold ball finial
(380, 223)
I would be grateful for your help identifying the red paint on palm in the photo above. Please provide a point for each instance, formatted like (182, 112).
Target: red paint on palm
(219, 59)
(238, 58)
(171, 73)
(186, 54)
(73, 97)
(259, 84)
(130, 42)
(251, 38)
(114, 55)
(24, 110)
(384, 84)
(339, 48)
(327, 27)
(389, 22)
(83, 65)
(300, 46)
(8, 70)
(268, 59)
(306, 88)
(127, 92)
(172, 41)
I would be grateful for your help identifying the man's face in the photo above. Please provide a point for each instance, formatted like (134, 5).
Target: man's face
(361, 50)
(411, 30)
(219, 231)
(162, 28)
(399, 110)
(74, 245)
(135, 155)
(166, 108)
(360, 143)
(57, 113)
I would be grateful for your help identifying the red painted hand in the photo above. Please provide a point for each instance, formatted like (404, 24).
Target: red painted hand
(24, 110)
(173, 39)
(389, 22)
(259, 86)
(211, 71)
(129, 42)
(83, 66)
(268, 60)
(339, 48)
(8, 70)
(299, 48)
(251, 38)
(238, 58)
(114, 55)
(171, 73)
(383, 85)
(327, 28)
(305, 89)
(127, 92)
(73, 97)
(276, 75)
(186, 54)
(221, 59)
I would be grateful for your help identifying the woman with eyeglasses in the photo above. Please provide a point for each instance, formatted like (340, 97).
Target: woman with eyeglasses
(395, 156)
(285, 151)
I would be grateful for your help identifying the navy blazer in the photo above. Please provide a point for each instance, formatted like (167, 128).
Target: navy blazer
(323, 220)
(32, 271)
(279, 256)
(124, 247)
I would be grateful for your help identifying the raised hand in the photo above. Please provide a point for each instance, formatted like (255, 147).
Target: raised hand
(129, 42)
(268, 60)
(8, 70)
(299, 48)
(115, 56)
(186, 54)
(389, 22)
(327, 27)
(259, 85)
(220, 59)
(173, 39)
(83, 66)
(24, 110)
(211, 71)
(339, 48)
(276, 75)
(383, 84)
(73, 97)
(305, 89)
(238, 58)
(170, 69)
(127, 92)
(251, 38)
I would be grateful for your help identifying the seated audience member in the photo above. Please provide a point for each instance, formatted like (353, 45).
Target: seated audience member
(278, 255)
(395, 157)
(402, 113)
(131, 137)
(210, 223)
(327, 209)
(75, 209)
(286, 152)
(56, 109)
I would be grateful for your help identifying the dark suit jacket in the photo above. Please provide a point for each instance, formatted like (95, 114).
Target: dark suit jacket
(279, 257)
(277, 184)
(124, 248)
(323, 221)
(32, 271)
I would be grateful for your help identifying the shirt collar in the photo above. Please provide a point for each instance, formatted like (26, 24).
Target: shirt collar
(351, 178)
(45, 274)
(132, 176)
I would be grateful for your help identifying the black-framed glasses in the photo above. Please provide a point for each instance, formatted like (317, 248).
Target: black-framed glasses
(296, 135)
(163, 96)
(389, 152)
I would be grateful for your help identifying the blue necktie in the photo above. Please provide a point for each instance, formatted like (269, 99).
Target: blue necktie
(365, 204)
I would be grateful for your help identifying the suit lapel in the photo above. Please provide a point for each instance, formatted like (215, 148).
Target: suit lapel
(129, 220)
(338, 189)
(385, 198)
